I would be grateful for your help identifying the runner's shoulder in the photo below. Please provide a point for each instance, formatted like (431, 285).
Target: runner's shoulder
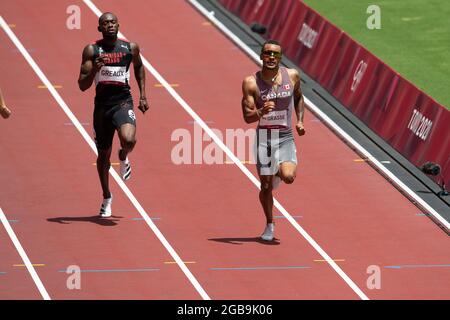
(134, 47)
(249, 83)
(92, 44)
(293, 73)
(88, 51)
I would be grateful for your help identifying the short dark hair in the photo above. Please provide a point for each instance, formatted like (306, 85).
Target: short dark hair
(271, 41)
(100, 19)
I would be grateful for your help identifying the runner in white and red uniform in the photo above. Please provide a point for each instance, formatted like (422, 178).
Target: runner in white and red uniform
(107, 62)
(269, 98)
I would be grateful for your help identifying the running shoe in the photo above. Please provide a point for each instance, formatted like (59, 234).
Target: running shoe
(105, 210)
(125, 168)
(268, 232)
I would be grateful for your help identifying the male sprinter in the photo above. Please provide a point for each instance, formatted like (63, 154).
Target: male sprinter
(107, 61)
(269, 97)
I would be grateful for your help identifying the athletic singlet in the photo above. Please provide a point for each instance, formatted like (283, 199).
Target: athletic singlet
(280, 117)
(112, 80)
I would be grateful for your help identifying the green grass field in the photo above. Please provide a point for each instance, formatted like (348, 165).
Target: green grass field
(414, 38)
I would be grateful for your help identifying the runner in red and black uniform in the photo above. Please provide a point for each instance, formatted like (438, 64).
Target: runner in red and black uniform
(107, 61)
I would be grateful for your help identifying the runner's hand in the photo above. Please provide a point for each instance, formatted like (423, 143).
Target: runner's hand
(143, 105)
(268, 107)
(99, 62)
(5, 112)
(300, 129)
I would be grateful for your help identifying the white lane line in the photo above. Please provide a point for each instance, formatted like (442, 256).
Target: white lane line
(23, 255)
(330, 122)
(113, 173)
(230, 154)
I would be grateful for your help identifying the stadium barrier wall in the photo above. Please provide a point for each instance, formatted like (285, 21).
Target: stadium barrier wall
(404, 116)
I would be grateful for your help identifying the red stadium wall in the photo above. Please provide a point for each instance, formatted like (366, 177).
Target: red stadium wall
(405, 117)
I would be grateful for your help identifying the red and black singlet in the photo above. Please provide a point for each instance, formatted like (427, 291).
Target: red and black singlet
(112, 80)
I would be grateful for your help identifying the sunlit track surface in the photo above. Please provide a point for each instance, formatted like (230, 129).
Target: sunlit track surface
(209, 213)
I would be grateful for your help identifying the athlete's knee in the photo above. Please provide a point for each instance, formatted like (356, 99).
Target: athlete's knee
(266, 186)
(288, 178)
(128, 143)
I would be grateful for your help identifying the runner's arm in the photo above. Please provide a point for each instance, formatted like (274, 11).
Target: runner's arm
(250, 112)
(139, 73)
(299, 103)
(88, 68)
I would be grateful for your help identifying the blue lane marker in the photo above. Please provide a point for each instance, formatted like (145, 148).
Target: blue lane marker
(2, 272)
(13, 221)
(116, 270)
(419, 266)
(262, 268)
(138, 219)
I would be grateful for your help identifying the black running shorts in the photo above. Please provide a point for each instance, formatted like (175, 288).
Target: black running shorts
(108, 119)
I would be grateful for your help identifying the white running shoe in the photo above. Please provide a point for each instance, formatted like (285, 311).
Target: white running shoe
(276, 180)
(105, 210)
(125, 169)
(268, 232)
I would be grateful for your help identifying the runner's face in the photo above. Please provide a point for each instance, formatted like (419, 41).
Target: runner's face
(271, 56)
(109, 26)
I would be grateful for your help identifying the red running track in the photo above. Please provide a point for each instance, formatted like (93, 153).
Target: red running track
(209, 213)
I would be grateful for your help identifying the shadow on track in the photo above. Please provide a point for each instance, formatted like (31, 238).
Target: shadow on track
(241, 240)
(107, 222)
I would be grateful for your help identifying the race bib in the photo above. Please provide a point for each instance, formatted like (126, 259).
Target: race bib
(274, 118)
(112, 74)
